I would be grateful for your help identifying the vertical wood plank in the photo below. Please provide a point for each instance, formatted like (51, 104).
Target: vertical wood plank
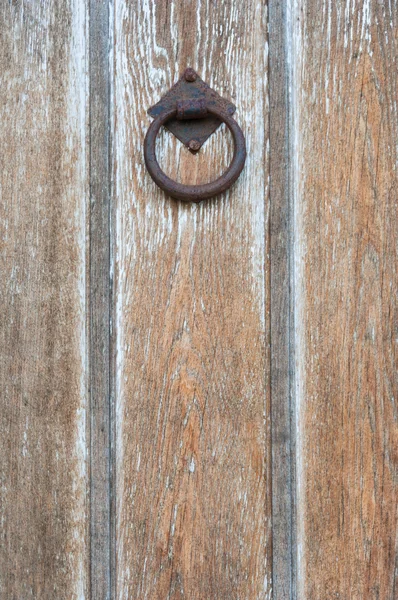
(282, 342)
(192, 316)
(346, 77)
(43, 474)
(100, 408)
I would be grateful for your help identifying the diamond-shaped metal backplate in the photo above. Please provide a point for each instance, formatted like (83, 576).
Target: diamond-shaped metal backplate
(195, 129)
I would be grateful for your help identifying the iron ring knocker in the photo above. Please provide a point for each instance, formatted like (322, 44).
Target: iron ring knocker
(194, 193)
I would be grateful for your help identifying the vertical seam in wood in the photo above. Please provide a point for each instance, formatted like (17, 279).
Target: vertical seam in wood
(289, 41)
(99, 303)
(282, 294)
(112, 258)
(290, 46)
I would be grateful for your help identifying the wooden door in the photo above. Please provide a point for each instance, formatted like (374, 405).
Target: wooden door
(199, 400)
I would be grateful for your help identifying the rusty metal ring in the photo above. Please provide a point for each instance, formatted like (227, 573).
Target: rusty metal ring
(195, 193)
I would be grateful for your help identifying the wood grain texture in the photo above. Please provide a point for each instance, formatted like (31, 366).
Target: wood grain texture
(100, 303)
(346, 129)
(43, 521)
(192, 317)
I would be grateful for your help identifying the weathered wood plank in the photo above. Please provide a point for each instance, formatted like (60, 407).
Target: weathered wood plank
(43, 523)
(100, 407)
(346, 85)
(282, 330)
(192, 317)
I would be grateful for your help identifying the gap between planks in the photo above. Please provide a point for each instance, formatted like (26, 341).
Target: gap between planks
(101, 520)
(282, 304)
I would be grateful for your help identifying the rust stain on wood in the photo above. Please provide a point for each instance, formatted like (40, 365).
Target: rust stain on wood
(346, 297)
(42, 301)
(191, 321)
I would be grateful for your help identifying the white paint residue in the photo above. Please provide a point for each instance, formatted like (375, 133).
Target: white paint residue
(366, 25)
(25, 442)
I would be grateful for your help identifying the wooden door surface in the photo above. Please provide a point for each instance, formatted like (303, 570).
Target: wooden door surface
(198, 401)
(43, 367)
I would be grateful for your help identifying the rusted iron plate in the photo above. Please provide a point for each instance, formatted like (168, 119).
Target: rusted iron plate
(193, 132)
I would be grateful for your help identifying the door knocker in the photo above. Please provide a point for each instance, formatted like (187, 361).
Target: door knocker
(192, 111)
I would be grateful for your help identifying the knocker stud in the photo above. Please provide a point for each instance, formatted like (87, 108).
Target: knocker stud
(192, 111)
